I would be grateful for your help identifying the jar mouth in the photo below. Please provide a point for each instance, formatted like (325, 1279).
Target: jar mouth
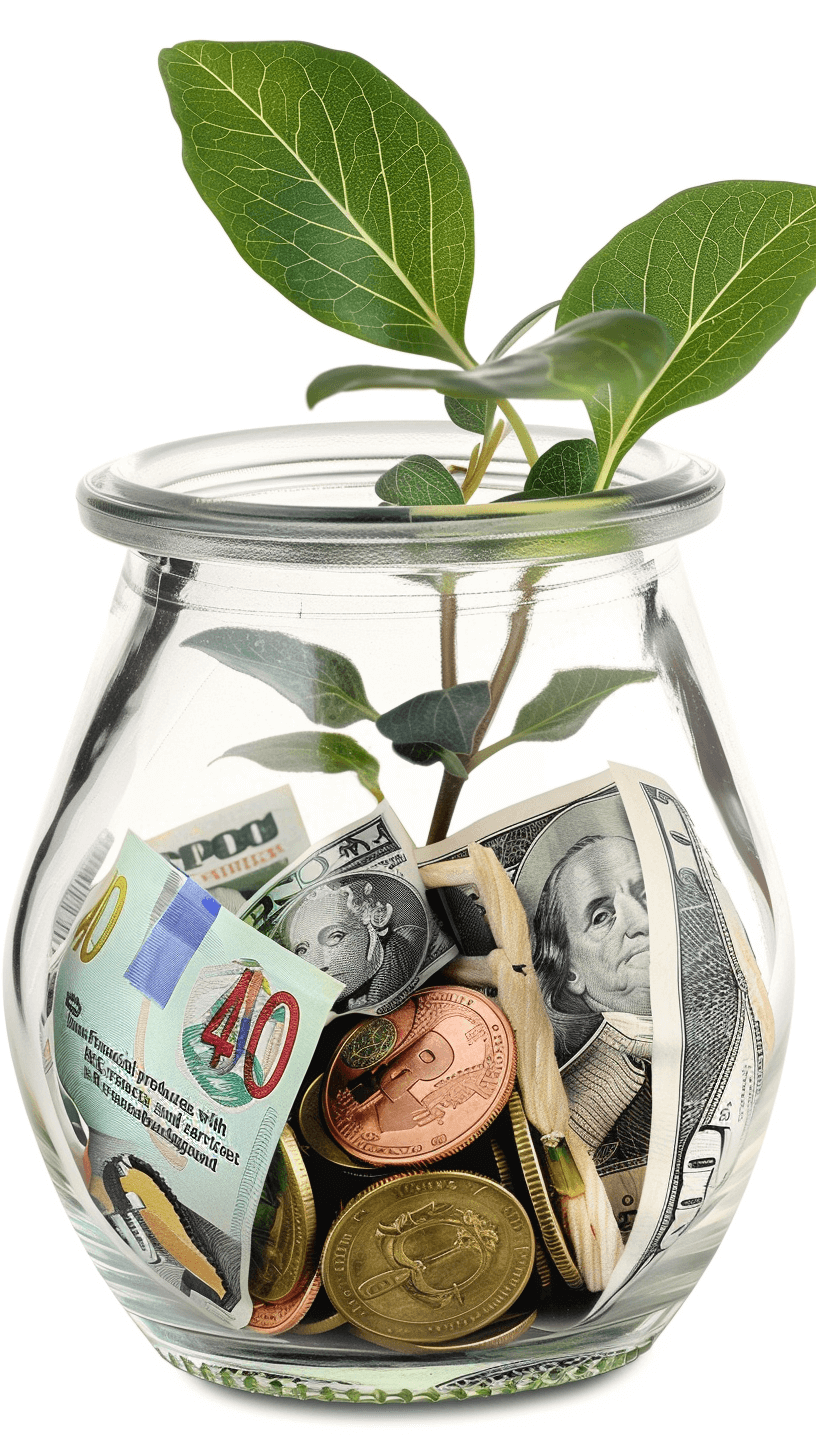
(302, 494)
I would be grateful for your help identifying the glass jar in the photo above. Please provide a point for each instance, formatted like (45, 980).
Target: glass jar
(279, 530)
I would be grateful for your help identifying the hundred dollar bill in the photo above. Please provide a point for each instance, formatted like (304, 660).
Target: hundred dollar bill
(180, 1038)
(240, 846)
(355, 906)
(660, 1016)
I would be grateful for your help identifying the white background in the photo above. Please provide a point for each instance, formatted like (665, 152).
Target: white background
(133, 321)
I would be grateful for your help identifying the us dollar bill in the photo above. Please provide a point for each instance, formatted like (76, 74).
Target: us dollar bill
(354, 905)
(177, 1040)
(240, 846)
(661, 1019)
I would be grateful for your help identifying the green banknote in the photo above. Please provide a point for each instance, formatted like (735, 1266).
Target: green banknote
(180, 1038)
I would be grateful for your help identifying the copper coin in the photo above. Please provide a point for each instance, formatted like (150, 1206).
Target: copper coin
(448, 1074)
(284, 1314)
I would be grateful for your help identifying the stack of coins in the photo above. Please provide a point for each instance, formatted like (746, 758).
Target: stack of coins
(411, 1199)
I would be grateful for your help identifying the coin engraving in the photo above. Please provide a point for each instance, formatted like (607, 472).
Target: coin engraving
(428, 1257)
(370, 1043)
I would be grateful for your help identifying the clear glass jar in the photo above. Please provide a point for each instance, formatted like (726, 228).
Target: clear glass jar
(280, 530)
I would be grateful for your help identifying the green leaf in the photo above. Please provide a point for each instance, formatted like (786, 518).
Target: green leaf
(333, 184)
(565, 704)
(307, 752)
(569, 467)
(618, 347)
(426, 754)
(520, 329)
(326, 685)
(467, 414)
(726, 267)
(419, 480)
(445, 717)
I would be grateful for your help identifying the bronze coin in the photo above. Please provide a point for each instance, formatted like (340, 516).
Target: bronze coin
(283, 1233)
(284, 1314)
(428, 1257)
(551, 1233)
(448, 1075)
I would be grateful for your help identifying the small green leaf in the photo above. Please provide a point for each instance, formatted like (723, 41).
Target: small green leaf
(326, 685)
(333, 184)
(618, 348)
(426, 754)
(419, 481)
(468, 414)
(445, 717)
(727, 267)
(307, 752)
(569, 467)
(565, 704)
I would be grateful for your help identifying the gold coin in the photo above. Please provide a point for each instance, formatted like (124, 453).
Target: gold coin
(313, 1132)
(322, 1317)
(428, 1257)
(283, 1235)
(554, 1241)
(501, 1333)
(506, 1180)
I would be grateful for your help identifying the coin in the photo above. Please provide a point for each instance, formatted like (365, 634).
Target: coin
(506, 1180)
(502, 1332)
(284, 1314)
(322, 1317)
(313, 1132)
(283, 1234)
(448, 1075)
(428, 1257)
(554, 1241)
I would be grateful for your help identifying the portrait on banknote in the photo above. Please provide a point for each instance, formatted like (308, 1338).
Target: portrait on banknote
(355, 907)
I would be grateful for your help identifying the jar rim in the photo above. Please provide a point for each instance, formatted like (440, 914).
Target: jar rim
(248, 496)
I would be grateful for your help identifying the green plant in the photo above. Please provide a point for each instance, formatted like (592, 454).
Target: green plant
(342, 192)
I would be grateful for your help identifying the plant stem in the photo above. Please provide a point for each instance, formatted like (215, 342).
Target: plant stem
(475, 475)
(525, 439)
(447, 634)
(451, 787)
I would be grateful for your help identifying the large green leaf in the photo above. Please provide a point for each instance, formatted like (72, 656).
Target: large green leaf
(307, 752)
(726, 267)
(325, 684)
(444, 717)
(565, 704)
(419, 480)
(616, 347)
(333, 184)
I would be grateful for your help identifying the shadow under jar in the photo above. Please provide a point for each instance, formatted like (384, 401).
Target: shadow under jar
(279, 530)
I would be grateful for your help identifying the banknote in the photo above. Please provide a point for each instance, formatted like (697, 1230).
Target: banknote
(180, 1037)
(660, 1016)
(240, 846)
(354, 905)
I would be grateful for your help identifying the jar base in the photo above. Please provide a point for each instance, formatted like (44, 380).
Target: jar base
(391, 1384)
